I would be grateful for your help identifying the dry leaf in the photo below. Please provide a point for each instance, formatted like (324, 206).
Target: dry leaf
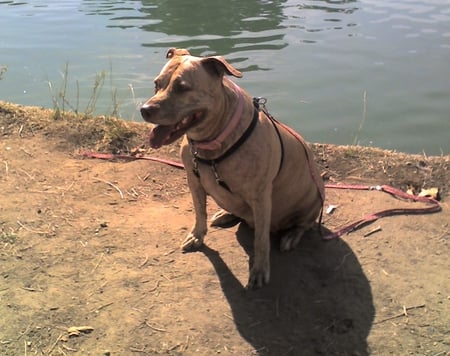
(331, 208)
(77, 330)
(430, 193)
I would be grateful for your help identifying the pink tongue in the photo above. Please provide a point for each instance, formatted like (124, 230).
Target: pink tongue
(159, 135)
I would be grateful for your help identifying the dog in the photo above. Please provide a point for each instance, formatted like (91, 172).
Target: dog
(256, 169)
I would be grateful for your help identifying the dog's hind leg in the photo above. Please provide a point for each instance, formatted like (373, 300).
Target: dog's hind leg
(291, 238)
(224, 219)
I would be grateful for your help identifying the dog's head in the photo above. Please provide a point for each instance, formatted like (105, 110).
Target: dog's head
(186, 91)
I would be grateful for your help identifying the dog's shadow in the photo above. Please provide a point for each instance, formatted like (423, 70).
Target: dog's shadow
(318, 301)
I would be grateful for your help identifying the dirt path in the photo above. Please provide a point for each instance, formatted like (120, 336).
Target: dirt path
(95, 244)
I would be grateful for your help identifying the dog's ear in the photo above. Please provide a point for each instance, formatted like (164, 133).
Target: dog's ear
(220, 66)
(171, 52)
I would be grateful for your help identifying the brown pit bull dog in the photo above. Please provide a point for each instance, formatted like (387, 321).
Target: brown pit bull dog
(256, 169)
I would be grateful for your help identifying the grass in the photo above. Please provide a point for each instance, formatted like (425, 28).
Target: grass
(63, 103)
(7, 237)
(363, 120)
(3, 70)
(114, 135)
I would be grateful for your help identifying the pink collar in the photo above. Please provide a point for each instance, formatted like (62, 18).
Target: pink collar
(216, 143)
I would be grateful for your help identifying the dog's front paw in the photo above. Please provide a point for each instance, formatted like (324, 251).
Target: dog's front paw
(192, 242)
(258, 277)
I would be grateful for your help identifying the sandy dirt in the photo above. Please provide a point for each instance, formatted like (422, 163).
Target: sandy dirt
(90, 262)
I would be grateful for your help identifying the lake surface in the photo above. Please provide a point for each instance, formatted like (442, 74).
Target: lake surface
(371, 72)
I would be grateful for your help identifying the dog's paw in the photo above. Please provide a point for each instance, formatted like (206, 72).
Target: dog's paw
(191, 243)
(224, 219)
(258, 277)
(291, 239)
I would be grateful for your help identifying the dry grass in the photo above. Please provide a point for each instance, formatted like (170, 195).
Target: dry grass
(339, 163)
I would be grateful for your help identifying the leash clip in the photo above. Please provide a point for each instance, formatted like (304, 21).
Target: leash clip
(260, 103)
(219, 180)
(194, 154)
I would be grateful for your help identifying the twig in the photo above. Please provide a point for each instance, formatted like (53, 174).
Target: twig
(441, 353)
(288, 351)
(170, 252)
(343, 261)
(135, 349)
(29, 289)
(31, 230)
(155, 287)
(65, 347)
(143, 263)
(6, 167)
(403, 313)
(187, 344)
(101, 307)
(378, 228)
(112, 185)
(24, 150)
(228, 316)
(53, 346)
(28, 174)
(155, 328)
(98, 263)
(277, 307)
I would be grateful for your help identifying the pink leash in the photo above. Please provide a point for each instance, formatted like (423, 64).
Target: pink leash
(112, 156)
(433, 207)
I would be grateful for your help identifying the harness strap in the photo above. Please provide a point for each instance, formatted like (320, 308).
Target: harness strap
(213, 162)
(261, 102)
(232, 149)
(277, 130)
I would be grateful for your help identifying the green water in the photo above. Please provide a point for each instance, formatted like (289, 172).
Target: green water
(376, 73)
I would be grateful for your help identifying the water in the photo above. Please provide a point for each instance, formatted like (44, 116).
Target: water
(372, 72)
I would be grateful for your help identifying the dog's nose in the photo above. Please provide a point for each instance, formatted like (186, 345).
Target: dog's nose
(147, 111)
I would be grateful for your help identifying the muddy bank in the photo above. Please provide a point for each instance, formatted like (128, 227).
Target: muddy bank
(90, 261)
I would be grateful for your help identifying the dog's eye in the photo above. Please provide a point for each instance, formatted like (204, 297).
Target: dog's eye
(181, 86)
(157, 86)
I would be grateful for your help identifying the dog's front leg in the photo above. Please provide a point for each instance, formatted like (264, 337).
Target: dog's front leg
(262, 211)
(195, 238)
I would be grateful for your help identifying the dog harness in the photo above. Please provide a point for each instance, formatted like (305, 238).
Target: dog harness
(260, 105)
(213, 162)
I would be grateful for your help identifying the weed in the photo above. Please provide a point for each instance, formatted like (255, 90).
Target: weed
(363, 119)
(351, 152)
(3, 70)
(61, 101)
(98, 85)
(7, 237)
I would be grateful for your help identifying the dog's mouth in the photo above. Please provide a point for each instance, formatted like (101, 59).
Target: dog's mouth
(162, 135)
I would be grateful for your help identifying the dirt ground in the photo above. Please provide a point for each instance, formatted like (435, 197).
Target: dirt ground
(90, 261)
